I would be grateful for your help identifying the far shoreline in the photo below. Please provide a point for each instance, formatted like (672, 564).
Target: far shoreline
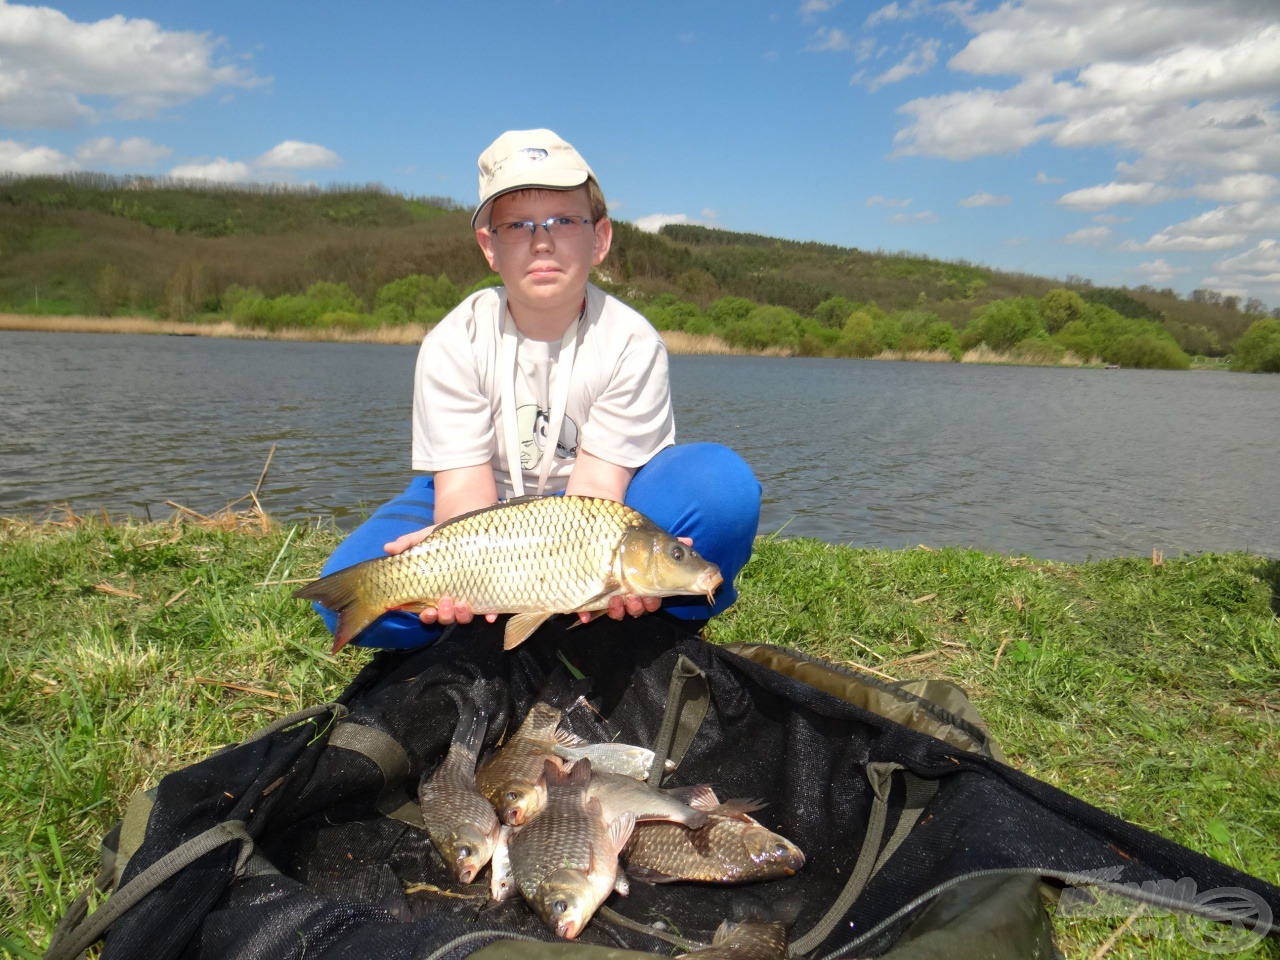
(678, 342)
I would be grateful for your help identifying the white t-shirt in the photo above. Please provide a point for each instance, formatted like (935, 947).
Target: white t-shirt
(619, 399)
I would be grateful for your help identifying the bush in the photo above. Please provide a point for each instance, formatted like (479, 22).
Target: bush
(1258, 349)
(1147, 351)
(832, 313)
(419, 296)
(1005, 323)
(943, 336)
(1078, 338)
(1060, 307)
(729, 310)
(300, 310)
(766, 327)
(857, 338)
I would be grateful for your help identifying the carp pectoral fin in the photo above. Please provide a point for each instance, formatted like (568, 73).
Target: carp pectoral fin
(521, 627)
(620, 830)
(637, 871)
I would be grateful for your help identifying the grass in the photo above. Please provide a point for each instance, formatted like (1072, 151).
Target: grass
(131, 649)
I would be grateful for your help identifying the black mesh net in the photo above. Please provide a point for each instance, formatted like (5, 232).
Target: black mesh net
(340, 878)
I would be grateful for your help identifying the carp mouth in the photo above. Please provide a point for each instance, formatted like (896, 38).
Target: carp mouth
(707, 583)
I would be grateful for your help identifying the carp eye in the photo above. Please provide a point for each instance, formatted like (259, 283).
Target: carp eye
(780, 849)
(464, 851)
(678, 552)
(559, 907)
(512, 796)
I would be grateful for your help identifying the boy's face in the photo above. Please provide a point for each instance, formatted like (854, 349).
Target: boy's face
(545, 275)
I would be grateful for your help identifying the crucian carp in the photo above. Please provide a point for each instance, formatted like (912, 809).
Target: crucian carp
(533, 557)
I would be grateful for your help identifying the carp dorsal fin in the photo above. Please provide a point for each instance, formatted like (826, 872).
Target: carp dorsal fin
(493, 506)
(521, 627)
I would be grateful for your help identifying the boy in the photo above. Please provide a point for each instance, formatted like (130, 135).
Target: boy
(548, 385)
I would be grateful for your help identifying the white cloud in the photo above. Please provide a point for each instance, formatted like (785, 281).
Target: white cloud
(977, 123)
(921, 216)
(1109, 194)
(656, 221)
(1055, 35)
(20, 158)
(918, 61)
(50, 65)
(134, 153)
(1255, 272)
(1117, 76)
(1089, 236)
(895, 11)
(1159, 271)
(985, 199)
(879, 201)
(834, 40)
(811, 8)
(220, 170)
(1043, 177)
(1218, 229)
(295, 155)
(1243, 186)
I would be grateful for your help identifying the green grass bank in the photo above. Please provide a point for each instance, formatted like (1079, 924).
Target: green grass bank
(1151, 691)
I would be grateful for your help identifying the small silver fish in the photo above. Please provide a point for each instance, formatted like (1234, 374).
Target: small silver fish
(460, 821)
(502, 885)
(618, 795)
(623, 758)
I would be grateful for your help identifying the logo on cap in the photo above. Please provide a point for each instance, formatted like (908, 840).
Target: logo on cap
(533, 153)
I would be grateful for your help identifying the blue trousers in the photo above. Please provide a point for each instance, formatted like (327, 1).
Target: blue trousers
(704, 491)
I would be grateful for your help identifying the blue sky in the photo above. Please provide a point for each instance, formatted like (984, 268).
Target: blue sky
(1129, 142)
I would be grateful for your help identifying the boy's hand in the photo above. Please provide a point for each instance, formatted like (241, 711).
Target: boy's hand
(620, 607)
(401, 544)
(446, 612)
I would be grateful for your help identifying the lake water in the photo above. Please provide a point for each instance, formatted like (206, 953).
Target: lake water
(1055, 463)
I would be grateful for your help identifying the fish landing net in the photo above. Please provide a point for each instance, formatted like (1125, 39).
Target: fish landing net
(305, 841)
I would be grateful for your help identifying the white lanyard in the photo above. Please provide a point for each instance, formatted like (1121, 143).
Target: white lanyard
(561, 373)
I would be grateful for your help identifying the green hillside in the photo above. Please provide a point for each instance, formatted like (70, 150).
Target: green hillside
(94, 244)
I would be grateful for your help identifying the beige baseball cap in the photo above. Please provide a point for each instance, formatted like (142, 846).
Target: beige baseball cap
(523, 159)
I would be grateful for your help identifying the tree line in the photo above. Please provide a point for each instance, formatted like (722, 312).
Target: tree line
(363, 257)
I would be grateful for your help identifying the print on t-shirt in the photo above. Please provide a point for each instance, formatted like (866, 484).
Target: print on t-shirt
(532, 423)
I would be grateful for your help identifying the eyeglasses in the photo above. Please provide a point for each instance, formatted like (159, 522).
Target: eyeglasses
(558, 228)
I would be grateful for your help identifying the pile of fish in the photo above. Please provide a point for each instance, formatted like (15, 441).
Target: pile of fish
(565, 824)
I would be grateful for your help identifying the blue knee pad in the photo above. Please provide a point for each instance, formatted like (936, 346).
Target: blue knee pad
(703, 491)
(708, 493)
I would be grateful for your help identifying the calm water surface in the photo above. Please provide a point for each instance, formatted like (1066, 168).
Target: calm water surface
(1062, 464)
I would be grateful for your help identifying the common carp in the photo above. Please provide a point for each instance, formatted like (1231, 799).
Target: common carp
(745, 940)
(565, 861)
(730, 848)
(533, 557)
(512, 779)
(462, 824)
